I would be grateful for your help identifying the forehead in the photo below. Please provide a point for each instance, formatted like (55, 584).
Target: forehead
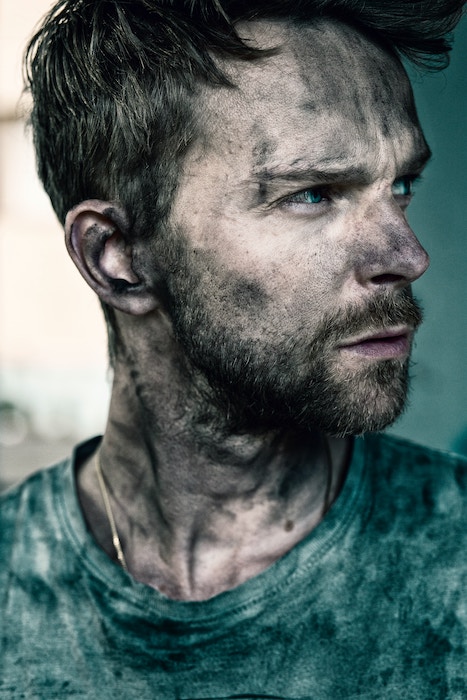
(328, 90)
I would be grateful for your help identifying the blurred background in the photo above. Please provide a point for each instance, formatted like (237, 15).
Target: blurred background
(53, 369)
(54, 380)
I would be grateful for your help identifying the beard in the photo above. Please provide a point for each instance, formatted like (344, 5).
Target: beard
(297, 381)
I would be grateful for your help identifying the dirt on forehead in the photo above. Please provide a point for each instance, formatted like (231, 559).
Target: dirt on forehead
(322, 68)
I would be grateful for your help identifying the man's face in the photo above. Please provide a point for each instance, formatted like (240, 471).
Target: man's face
(292, 293)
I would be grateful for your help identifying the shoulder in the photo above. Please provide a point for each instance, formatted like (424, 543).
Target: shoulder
(32, 513)
(417, 489)
(412, 454)
(397, 459)
(28, 503)
(35, 495)
(31, 488)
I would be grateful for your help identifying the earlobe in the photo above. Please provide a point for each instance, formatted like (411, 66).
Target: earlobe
(95, 239)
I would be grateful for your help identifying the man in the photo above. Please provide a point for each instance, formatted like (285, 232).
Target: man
(233, 182)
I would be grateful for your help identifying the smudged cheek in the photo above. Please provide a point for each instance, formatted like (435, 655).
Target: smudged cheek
(287, 295)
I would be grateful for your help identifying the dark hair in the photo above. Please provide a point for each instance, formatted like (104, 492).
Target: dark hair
(113, 83)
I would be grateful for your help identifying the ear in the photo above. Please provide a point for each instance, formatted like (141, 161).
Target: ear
(94, 235)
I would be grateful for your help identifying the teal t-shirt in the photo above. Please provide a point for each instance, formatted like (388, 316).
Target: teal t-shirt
(371, 604)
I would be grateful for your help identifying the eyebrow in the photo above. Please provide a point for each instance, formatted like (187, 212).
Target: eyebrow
(332, 173)
(317, 174)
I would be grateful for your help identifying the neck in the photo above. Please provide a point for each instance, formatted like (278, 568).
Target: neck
(200, 509)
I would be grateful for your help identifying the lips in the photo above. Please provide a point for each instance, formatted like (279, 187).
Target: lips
(385, 344)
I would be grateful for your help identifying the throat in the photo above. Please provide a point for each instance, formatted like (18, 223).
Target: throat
(192, 524)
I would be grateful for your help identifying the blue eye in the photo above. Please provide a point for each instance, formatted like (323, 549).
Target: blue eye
(312, 196)
(403, 187)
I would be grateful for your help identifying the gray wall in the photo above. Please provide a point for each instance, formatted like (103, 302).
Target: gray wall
(437, 414)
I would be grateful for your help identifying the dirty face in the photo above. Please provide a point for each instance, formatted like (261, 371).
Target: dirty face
(292, 294)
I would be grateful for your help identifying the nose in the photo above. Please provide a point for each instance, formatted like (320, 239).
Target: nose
(388, 252)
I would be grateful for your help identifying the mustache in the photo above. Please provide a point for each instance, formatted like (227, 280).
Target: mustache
(381, 311)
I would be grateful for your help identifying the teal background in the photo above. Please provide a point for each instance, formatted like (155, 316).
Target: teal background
(437, 414)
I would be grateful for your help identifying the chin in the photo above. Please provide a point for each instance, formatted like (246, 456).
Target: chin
(360, 425)
(368, 403)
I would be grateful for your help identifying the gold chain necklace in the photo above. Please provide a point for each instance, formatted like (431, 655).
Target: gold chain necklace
(105, 497)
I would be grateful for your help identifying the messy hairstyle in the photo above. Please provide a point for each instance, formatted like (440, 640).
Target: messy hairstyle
(113, 84)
